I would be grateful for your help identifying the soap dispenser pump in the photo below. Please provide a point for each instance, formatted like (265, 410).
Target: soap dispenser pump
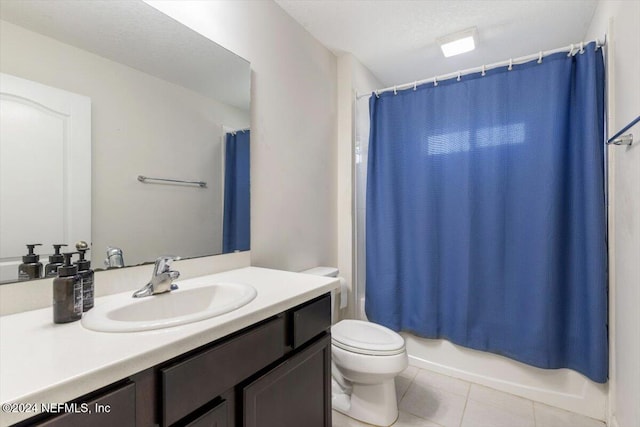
(55, 261)
(85, 271)
(31, 267)
(67, 292)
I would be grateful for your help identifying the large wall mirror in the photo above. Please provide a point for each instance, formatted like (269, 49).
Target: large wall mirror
(160, 101)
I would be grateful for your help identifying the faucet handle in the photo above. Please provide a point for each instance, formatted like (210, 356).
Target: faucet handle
(163, 264)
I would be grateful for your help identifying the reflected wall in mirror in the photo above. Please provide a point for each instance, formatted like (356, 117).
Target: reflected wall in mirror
(165, 103)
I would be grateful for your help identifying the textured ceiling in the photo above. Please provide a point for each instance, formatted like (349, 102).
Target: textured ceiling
(396, 40)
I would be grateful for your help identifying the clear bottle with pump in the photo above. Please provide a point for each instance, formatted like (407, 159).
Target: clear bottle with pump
(67, 292)
(85, 271)
(31, 267)
(55, 261)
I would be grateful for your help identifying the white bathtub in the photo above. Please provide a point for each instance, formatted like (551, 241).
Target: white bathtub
(562, 388)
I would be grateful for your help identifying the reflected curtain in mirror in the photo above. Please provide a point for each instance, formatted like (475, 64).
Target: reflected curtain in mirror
(485, 220)
(236, 234)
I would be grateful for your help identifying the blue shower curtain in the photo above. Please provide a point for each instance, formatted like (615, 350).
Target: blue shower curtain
(485, 220)
(236, 221)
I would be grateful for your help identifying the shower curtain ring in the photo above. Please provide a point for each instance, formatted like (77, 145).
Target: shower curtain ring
(510, 64)
(540, 58)
(570, 51)
(458, 76)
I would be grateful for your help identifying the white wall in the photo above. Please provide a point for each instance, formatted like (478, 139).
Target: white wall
(140, 125)
(345, 236)
(620, 19)
(293, 127)
(364, 82)
(353, 78)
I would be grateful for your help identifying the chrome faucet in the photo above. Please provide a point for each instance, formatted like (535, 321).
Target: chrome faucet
(160, 279)
(114, 258)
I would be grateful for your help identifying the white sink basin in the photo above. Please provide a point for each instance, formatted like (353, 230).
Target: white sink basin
(123, 313)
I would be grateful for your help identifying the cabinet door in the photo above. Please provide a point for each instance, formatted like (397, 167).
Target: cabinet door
(296, 393)
(46, 148)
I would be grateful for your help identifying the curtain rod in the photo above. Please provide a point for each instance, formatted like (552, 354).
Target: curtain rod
(233, 132)
(572, 49)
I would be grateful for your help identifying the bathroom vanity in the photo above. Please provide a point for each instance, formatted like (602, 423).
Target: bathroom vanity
(267, 363)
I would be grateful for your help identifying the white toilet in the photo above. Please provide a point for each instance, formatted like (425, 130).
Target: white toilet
(366, 358)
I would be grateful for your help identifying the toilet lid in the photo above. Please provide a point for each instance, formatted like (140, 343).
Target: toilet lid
(366, 338)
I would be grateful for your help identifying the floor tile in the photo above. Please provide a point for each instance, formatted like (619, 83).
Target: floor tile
(433, 404)
(404, 380)
(478, 414)
(407, 420)
(547, 416)
(341, 420)
(450, 384)
(404, 420)
(428, 399)
(410, 372)
(503, 401)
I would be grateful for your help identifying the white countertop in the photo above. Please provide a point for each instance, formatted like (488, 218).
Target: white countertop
(43, 362)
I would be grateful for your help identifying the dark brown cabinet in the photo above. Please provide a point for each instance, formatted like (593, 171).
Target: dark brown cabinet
(276, 373)
(190, 383)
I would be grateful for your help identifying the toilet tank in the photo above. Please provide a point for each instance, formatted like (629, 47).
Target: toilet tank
(322, 271)
(340, 294)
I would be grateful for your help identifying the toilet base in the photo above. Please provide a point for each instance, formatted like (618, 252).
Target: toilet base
(370, 403)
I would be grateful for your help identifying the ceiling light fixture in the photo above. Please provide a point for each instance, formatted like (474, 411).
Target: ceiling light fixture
(457, 43)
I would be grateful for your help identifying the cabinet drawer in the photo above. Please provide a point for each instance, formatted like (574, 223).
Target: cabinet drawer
(114, 408)
(311, 320)
(189, 384)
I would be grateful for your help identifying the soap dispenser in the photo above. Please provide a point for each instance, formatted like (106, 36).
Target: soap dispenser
(31, 267)
(67, 292)
(55, 261)
(85, 271)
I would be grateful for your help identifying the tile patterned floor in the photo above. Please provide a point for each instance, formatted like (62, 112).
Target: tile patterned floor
(427, 399)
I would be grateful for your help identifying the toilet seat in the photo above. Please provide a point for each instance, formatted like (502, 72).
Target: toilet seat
(367, 338)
